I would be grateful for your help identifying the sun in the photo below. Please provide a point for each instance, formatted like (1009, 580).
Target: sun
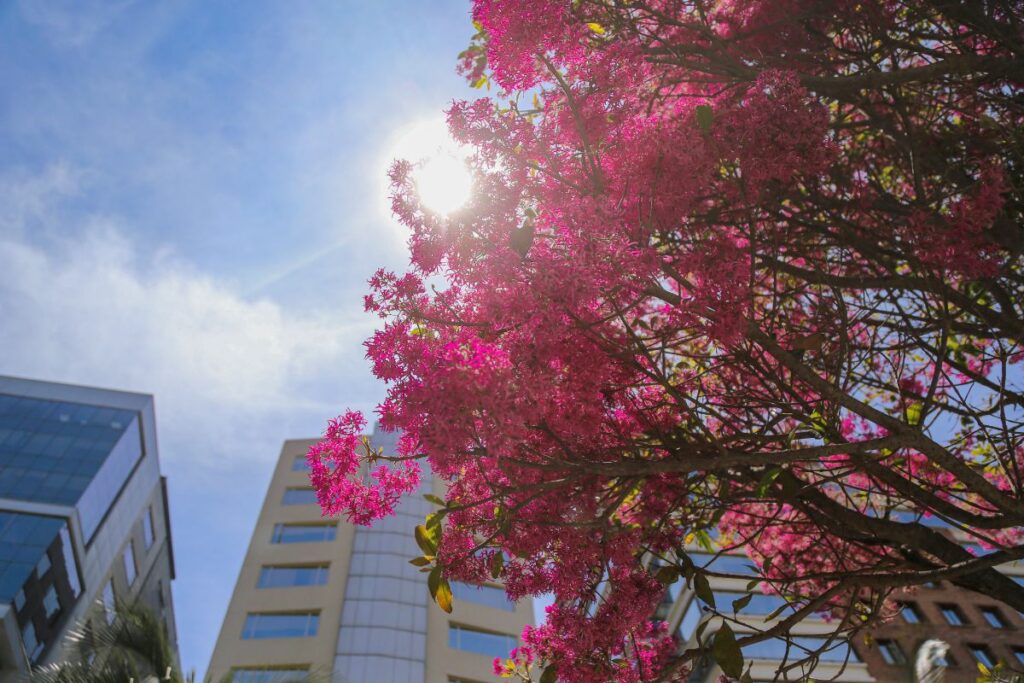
(442, 178)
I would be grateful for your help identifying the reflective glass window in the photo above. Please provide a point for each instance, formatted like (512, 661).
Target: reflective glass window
(109, 610)
(50, 451)
(993, 617)
(282, 675)
(489, 596)
(724, 564)
(952, 615)
(801, 646)
(910, 613)
(24, 541)
(284, 576)
(304, 533)
(300, 464)
(129, 562)
(1018, 652)
(760, 604)
(43, 565)
(891, 652)
(982, 655)
(299, 496)
(296, 625)
(147, 528)
(691, 617)
(33, 646)
(481, 642)
(51, 603)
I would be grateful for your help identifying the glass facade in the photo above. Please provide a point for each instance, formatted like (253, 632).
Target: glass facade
(51, 450)
(294, 675)
(297, 625)
(489, 596)
(108, 602)
(129, 563)
(282, 576)
(303, 496)
(24, 540)
(481, 642)
(724, 564)
(304, 533)
(801, 647)
(147, 528)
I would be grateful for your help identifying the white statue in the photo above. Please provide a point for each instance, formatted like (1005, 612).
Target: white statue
(930, 663)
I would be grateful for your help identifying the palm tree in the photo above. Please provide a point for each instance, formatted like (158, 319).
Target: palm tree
(131, 648)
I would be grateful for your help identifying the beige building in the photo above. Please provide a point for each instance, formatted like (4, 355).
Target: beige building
(324, 598)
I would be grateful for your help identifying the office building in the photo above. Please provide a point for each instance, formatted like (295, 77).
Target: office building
(323, 599)
(83, 516)
(976, 628)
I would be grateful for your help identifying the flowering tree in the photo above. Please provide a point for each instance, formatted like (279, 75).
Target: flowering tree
(741, 273)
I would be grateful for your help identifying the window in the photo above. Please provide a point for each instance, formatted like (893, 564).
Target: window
(724, 564)
(1018, 652)
(839, 651)
(33, 647)
(910, 613)
(147, 528)
(297, 496)
(51, 603)
(691, 618)
(304, 533)
(43, 566)
(489, 596)
(481, 642)
(294, 625)
(952, 614)
(994, 618)
(19, 600)
(129, 562)
(108, 601)
(300, 464)
(283, 675)
(982, 655)
(891, 652)
(284, 576)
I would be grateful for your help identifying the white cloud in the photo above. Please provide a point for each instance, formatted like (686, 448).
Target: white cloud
(231, 375)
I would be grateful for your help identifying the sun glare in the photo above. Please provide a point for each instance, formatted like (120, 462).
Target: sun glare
(443, 181)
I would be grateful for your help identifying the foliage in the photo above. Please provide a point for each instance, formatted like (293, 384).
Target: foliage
(133, 647)
(745, 273)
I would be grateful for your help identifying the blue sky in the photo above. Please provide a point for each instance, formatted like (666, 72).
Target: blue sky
(191, 202)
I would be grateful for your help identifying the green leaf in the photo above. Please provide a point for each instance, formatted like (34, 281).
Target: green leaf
(766, 481)
(739, 603)
(746, 677)
(703, 589)
(421, 561)
(434, 519)
(431, 498)
(425, 540)
(440, 591)
(667, 575)
(443, 597)
(497, 564)
(777, 611)
(751, 585)
(700, 630)
(550, 674)
(705, 116)
(704, 540)
(727, 653)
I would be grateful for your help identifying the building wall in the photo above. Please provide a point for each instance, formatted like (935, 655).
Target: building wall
(377, 622)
